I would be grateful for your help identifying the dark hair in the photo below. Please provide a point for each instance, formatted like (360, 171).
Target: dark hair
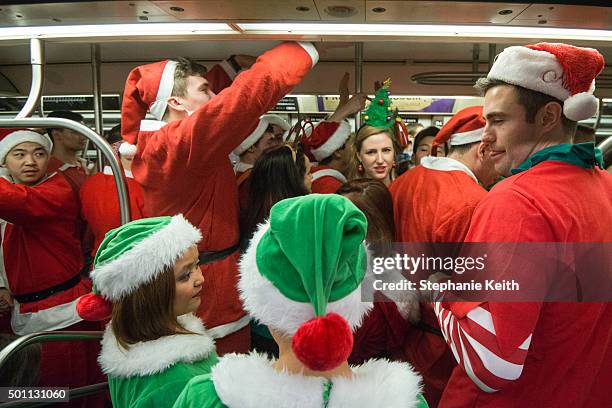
(374, 199)
(431, 131)
(185, 68)
(77, 117)
(584, 134)
(532, 101)
(148, 312)
(22, 368)
(114, 134)
(275, 176)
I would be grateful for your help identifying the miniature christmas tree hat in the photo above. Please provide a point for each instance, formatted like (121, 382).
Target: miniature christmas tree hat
(132, 256)
(302, 274)
(380, 114)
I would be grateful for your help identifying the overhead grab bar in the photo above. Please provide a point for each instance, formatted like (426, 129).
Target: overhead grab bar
(37, 58)
(105, 148)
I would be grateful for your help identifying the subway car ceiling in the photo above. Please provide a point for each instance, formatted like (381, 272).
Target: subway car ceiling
(401, 39)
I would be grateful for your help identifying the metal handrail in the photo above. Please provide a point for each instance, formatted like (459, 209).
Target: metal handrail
(42, 337)
(105, 148)
(605, 145)
(38, 64)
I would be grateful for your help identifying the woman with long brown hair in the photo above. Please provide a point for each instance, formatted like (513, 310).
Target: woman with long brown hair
(383, 331)
(146, 275)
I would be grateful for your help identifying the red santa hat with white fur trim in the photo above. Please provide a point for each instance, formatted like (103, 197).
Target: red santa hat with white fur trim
(560, 70)
(325, 139)
(147, 88)
(467, 126)
(264, 122)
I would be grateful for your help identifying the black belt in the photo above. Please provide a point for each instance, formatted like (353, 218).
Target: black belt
(212, 256)
(45, 293)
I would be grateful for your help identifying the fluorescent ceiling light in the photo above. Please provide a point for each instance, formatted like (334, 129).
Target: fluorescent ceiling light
(415, 30)
(114, 30)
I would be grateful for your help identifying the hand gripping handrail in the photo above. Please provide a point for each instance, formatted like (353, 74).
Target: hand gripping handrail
(105, 148)
(43, 337)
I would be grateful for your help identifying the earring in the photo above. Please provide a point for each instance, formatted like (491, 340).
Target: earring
(360, 168)
(394, 165)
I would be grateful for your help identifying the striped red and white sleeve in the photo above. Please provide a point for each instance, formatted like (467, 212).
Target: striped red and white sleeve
(489, 346)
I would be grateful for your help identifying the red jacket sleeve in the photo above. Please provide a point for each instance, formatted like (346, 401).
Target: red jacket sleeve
(201, 141)
(20, 204)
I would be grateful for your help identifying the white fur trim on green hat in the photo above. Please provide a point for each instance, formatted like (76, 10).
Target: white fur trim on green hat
(146, 259)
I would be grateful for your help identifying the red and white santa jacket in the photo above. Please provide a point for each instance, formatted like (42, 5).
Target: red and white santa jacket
(433, 202)
(41, 253)
(100, 203)
(536, 354)
(184, 167)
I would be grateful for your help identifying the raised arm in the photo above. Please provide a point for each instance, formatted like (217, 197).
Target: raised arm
(215, 129)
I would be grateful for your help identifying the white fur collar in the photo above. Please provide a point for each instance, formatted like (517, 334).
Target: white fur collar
(152, 357)
(376, 383)
(109, 172)
(446, 164)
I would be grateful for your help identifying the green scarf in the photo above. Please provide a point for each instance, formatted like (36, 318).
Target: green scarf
(584, 155)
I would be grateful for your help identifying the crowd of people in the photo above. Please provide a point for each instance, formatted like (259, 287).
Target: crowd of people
(239, 283)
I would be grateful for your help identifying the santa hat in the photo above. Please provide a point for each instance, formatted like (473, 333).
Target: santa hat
(21, 136)
(132, 256)
(264, 122)
(325, 139)
(147, 87)
(127, 150)
(302, 273)
(563, 71)
(467, 126)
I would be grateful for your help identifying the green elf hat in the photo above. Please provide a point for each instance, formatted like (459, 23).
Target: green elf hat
(302, 273)
(380, 114)
(132, 256)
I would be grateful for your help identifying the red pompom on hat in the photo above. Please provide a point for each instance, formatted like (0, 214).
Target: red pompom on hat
(323, 343)
(467, 126)
(147, 88)
(94, 307)
(563, 71)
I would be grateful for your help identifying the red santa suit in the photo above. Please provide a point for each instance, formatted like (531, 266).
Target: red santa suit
(42, 259)
(75, 174)
(183, 167)
(319, 144)
(100, 204)
(434, 202)
(539, 354)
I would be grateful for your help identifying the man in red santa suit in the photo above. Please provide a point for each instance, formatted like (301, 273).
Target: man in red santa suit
(270, 131)
(183, 166)
(99, 200)
(325, 145)
(41, 257)
(434, 202)
(554, 354)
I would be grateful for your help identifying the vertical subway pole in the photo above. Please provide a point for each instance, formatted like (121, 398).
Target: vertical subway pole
(492, 53)
(358, 77)
(97, 97)
(475, 57)
(37, 59)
